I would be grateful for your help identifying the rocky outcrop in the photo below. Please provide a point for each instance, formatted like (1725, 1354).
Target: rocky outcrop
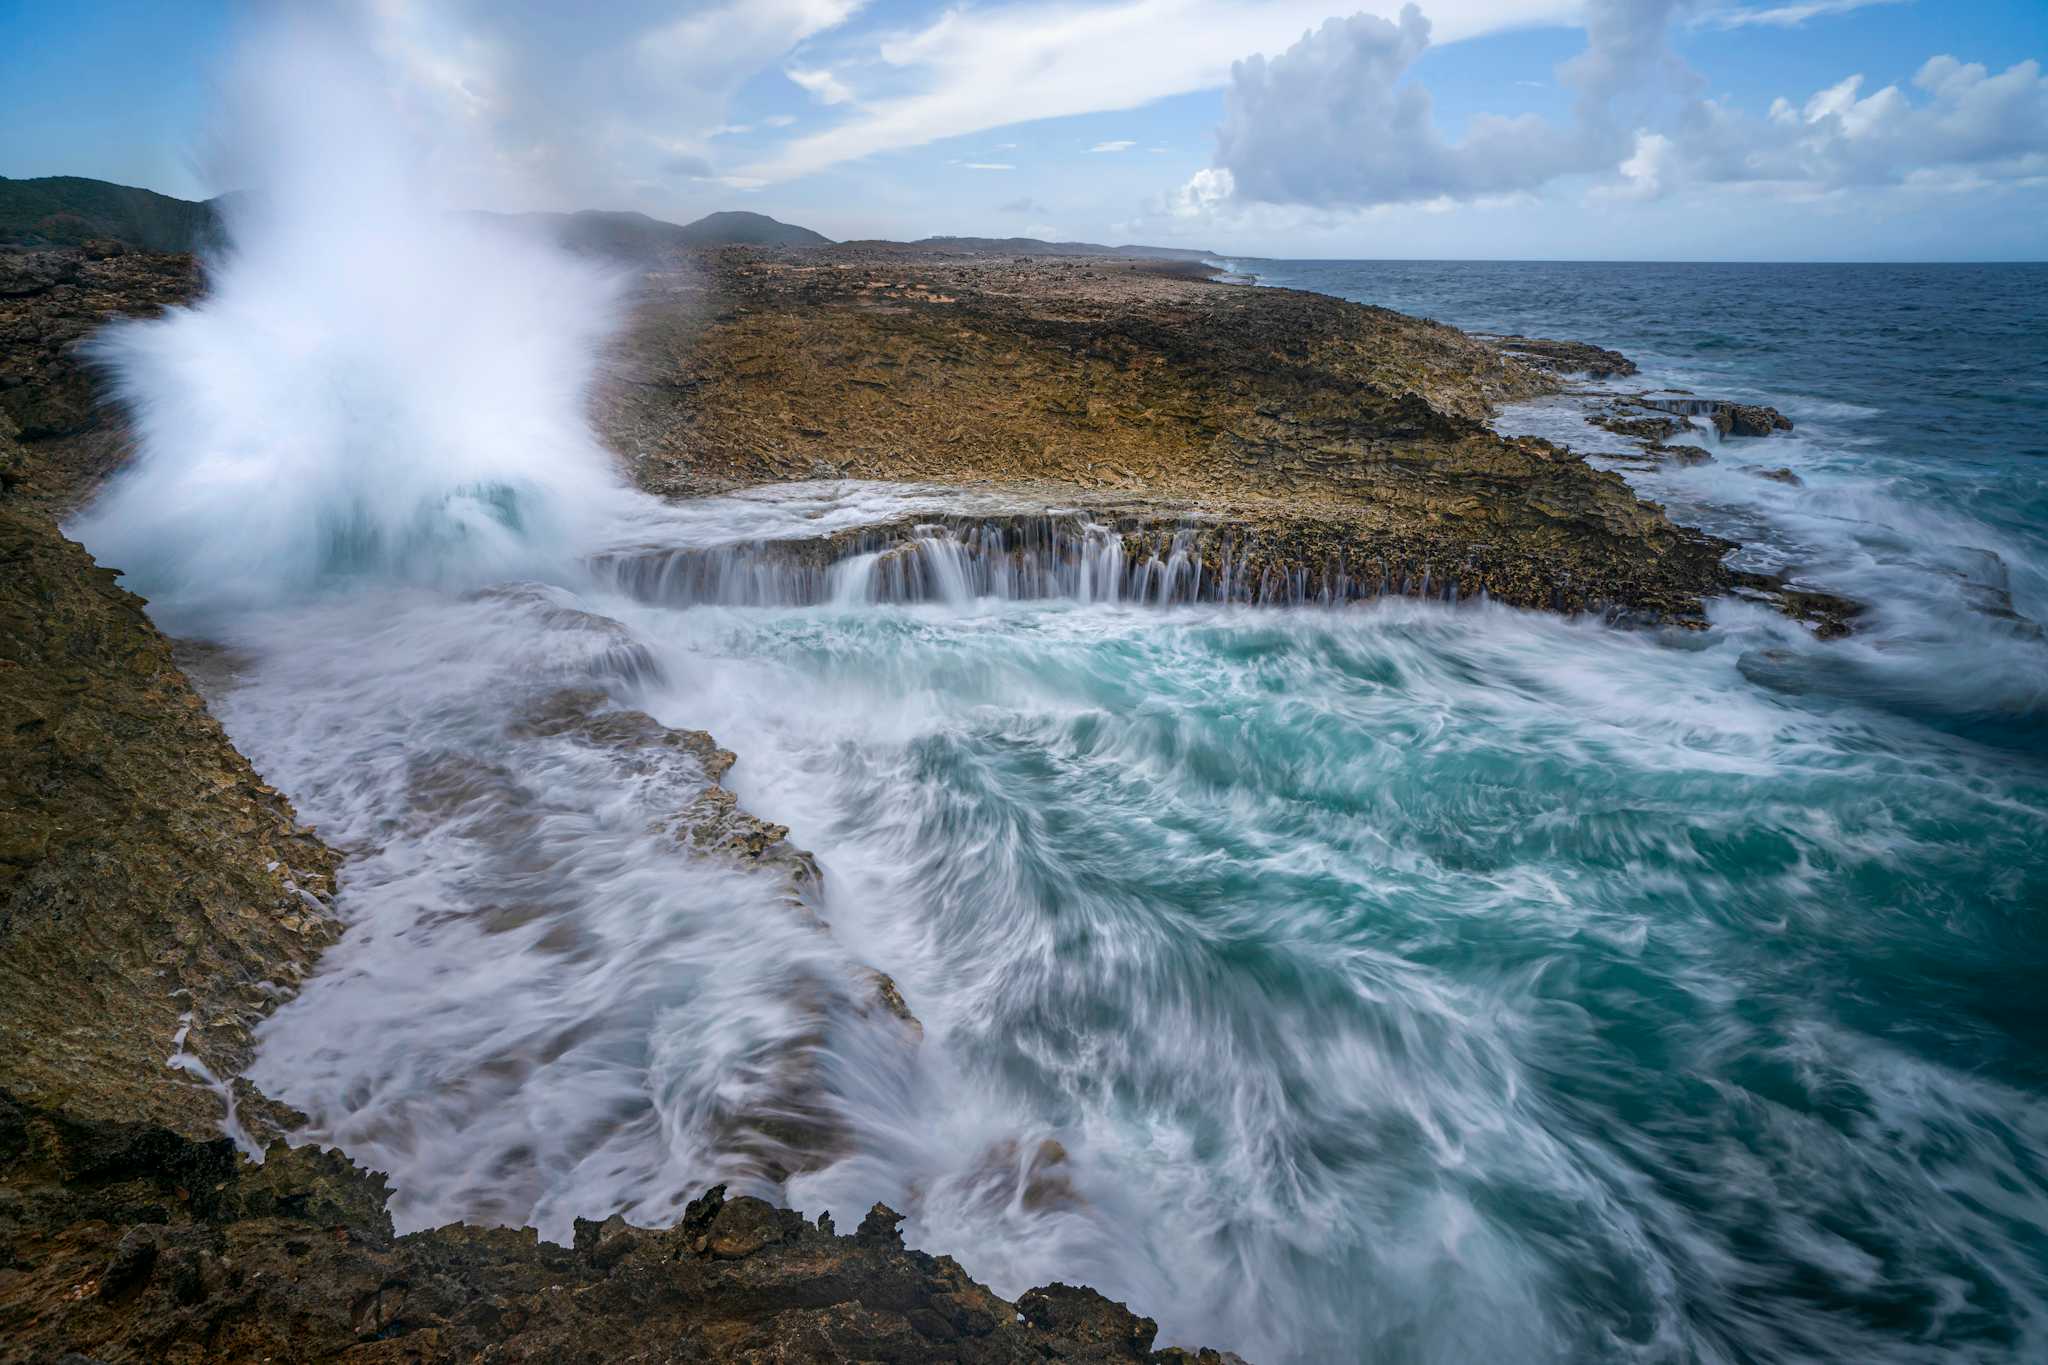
(156, 896)
(1151, 552)
(127, 1242)
(50, 302)
(1564, 357)
(1743, 419)
(1652, 429)
(1356, 434)
(1728, 419)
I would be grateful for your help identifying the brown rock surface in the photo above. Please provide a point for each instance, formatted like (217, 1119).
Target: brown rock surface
(1357, 433)
(149, 879)
(1564, 357)
(123, 1242)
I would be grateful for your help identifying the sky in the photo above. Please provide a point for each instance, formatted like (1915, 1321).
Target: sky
(1504, 129)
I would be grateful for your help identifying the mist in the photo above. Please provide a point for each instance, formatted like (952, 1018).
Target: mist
(373, 385)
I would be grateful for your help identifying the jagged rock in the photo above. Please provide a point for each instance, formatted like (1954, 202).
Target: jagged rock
(150, 881)
(34, 272)
(1681, 454)
(1728, 419)
(1780, 475)
(49, 302)
(135, 1259)
(1651, 429)
(878, 1228)
(1831, 616)
(1564, 357)
(1739, 419)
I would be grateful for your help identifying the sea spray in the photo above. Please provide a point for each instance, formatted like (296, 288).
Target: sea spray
(373, 387)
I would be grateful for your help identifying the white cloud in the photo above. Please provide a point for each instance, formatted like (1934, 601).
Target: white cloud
(1645, 173)
(574, 106)
(1787, 16)
(1967, 126)
(1205, 191)
(976, 68)
(988, 166)
(1332, 123)
(825, 87)
(1120, 145)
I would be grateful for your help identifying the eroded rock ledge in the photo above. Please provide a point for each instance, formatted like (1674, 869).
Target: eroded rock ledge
(128, 1242)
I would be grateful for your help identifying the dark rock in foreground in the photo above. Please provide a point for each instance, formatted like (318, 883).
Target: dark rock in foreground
(123, 1241)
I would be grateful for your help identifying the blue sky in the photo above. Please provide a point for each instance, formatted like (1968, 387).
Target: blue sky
(1662, 129)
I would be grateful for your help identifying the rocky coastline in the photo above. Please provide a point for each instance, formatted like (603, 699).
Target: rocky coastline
(157, 897)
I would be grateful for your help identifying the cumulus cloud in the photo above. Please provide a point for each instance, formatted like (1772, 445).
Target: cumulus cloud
(978, 67)
(1334, 123)
(1205, 191)
(1964, 122)
(1330, 121)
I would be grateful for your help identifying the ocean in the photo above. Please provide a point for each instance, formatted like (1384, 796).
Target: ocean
(1408, 982)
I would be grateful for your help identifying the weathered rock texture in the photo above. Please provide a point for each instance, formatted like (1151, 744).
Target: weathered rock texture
(1564, 357)
(152, 888)
(125, 1242)
(1357, 432)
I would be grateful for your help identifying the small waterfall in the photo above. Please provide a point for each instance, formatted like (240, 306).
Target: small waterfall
(1028, 557)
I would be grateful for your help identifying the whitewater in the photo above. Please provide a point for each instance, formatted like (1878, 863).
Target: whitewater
(1403, 981)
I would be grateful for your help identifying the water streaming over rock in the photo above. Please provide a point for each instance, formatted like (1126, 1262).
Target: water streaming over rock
(1020, 556)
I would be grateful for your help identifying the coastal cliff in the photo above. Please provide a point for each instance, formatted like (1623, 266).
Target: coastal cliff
(156, 897)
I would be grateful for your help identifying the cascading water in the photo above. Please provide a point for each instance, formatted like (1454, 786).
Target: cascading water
(1395, 983)
(1018, 556)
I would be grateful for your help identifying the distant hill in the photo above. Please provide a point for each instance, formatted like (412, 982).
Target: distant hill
(635, 236)
(1032, 246)
(65, 210)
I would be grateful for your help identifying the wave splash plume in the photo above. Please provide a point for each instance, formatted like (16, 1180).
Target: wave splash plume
(373, 385)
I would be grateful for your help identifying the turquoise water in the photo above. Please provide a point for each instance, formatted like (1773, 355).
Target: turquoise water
(1415, 984)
